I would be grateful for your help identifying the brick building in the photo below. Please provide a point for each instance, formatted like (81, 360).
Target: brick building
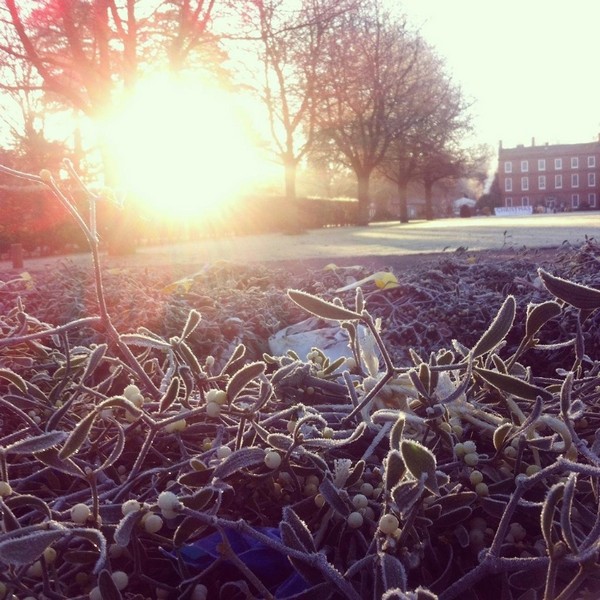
(550, 177)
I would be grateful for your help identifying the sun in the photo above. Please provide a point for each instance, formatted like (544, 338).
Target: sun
(181, 147)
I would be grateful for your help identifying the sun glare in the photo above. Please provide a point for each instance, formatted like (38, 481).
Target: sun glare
(182, 148)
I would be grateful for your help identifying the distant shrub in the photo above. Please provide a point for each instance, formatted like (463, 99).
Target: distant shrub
(465, 211)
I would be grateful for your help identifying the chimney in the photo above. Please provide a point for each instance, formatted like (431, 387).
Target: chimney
(500, 142)
(533, 141)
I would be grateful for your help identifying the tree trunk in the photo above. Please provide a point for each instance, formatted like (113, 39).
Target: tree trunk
(292, 224)
(363, 198)
(429, 201)
(290, 179)
(403, 197)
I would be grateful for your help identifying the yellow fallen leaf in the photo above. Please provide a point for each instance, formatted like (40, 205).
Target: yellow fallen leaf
(182, 285)
(330, 267)
(28, 279)
(385, 280)
(382, 279)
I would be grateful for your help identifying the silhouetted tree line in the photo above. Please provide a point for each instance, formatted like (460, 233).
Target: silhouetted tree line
(342, 82)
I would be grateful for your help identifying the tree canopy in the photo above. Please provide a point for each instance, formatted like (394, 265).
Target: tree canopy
(349, 80)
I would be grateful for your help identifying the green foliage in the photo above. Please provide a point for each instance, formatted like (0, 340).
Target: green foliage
(435, 479)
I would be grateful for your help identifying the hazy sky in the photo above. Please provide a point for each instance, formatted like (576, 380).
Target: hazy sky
(531, 66)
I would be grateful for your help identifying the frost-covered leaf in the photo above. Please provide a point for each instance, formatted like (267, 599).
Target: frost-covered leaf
(193, 320)
(26, 549)
(199, 499)
(498, 329)
(190, 527)
(539, 314)
(137, 339)
(240, 379)
(170, 395)
(338, 442)
(394, 469)
(239, 460)
(120, 402)
(236, 356)
(38, 443)
(575, 294)
(356, 473)
(456, 500)
(188, 356)
(566, 514)
(396, 432)
(295, 530)
(78, 436)
(15, 379)
(420, 460)
(196, 478)
(280, 441)
(321, 308)
(116, 450)
(96, 537)
(51, 459)
(94, 359)
(126, 526)
(108, 589)
(9, 520)
(31, 502)
(547, 515)
(405, 494)
(565, 395)
(333, 497)
(513, 385)
(453, 517)
(392, 572)
(500, 434)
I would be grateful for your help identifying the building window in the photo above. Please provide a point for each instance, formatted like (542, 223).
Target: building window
(524, 184)
(508, 184)
(525, 201)
(542, 182)
(574, 162)
(508, 167)
(558, 181)
(558, 163)
(575, 201)
(575, 180)
(591, 162)
(508, 202)
(591, 179)
(592, 200)
(541, 164)
(524, 166)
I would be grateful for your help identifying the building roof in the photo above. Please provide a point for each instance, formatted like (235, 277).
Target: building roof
(523, 150)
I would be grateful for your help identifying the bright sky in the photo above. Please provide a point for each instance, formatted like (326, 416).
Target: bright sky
(531, 66)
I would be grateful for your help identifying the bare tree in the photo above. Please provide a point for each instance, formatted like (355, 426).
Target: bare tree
(410, 120)
(86, 50)
(428, 135)
(287, 45)
(441, 151)
(368, 69)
